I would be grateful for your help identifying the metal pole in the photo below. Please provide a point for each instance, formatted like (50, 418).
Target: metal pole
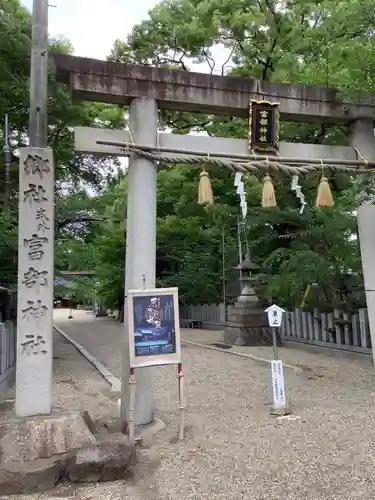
(39, 75)
(223, 268)
(244, 227)
(274, 343)
(7, 161)
(240, 255)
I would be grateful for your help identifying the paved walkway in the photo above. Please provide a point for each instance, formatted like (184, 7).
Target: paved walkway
(234, 449)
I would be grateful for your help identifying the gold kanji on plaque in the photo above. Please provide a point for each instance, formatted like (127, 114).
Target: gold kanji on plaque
(264, 126)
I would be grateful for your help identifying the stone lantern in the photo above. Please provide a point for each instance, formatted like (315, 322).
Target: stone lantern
(248, 295)
(247, 323)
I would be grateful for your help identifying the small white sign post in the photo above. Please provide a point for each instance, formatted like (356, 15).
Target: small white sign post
(154, 338)
(279, 407)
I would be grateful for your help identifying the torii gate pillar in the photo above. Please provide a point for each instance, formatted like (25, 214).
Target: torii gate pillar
(140, 266)
(362, 137)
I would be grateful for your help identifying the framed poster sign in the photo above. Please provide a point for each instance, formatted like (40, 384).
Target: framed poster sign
(154, 327)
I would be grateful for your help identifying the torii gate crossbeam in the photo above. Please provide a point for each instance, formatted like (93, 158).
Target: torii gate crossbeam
(117, 83)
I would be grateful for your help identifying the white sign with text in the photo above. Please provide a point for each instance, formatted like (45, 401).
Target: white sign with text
(275, 315)
(278, 387)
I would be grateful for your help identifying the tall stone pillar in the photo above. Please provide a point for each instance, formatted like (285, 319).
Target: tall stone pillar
(35, 282)
(140, 245)
(362, 137)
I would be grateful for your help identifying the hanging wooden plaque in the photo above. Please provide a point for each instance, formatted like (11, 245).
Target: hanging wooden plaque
(264, 118)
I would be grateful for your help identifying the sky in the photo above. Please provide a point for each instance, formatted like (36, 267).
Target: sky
(92, 26)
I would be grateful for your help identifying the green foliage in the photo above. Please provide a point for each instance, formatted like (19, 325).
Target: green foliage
(188, 241)
(291, 251)
(8, 244)
(319, 247)
(71, 170)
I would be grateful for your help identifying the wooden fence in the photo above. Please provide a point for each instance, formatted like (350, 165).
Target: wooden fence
(209, 315)
(337, 330)
(7, 356)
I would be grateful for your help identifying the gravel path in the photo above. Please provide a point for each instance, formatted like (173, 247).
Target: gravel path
(234, 449)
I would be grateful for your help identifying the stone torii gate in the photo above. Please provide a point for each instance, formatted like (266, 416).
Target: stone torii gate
(146, 89)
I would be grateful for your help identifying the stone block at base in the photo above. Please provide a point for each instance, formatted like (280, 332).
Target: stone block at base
(25, 439)
(107, 460)
(247, 326)
(33, 450)
(36, 475)
(36, 452)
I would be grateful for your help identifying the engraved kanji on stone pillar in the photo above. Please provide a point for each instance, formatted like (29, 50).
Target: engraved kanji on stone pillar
(35, 282)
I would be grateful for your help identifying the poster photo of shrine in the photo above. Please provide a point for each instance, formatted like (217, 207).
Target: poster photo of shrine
(153, 326)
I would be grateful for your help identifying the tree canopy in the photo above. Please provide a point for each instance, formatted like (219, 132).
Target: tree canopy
(320, 42)
(71, 170)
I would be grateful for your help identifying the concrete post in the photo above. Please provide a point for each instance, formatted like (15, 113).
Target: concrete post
(140, 245)
(362, 137)
(35, 282)
(39, 75)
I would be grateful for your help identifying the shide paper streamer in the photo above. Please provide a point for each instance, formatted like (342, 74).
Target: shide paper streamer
(297, 188)
(241, 192)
